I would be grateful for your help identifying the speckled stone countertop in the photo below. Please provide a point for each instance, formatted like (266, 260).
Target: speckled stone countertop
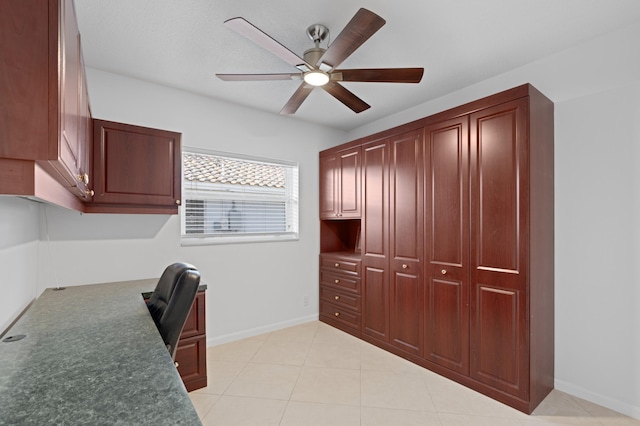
(91, 356)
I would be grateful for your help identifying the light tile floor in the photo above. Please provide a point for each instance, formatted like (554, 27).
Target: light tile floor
(316, 375)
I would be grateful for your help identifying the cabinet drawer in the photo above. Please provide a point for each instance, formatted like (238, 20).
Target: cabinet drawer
(338, 298)
(340, 281)
(340, 314)
(349, 266)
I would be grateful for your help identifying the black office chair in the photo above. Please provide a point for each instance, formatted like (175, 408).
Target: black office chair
(171, 301)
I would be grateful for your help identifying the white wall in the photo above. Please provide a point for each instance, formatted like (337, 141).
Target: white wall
(252, 287)
(596, 90)
(19, 245)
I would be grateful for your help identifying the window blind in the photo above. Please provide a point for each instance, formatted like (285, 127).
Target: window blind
(231, 198)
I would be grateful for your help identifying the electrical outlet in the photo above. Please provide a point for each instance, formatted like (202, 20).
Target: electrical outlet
(306, 300)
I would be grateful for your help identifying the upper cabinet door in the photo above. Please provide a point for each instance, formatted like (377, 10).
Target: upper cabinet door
(137, 169)
(340, 185)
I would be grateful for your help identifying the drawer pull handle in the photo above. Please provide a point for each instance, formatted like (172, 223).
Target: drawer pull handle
(337, 314)
(405, 266)
(337, 265)
(337, 297)
(444, 272)
(337, 281)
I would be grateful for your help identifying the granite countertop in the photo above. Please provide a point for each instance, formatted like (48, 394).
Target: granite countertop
(91, 355)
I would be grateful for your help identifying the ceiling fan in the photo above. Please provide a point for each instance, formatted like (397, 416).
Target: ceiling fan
(318, 66)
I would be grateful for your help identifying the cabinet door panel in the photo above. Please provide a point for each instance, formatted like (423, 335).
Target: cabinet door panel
(350, 184)
(406, 241)
(499, 240)
(497, 356)
(445, 329)
(136, 165)
(328, 187)
(375, 279)
(447, 239)
(375, 309)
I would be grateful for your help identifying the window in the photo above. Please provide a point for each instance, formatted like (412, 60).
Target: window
(230, 198)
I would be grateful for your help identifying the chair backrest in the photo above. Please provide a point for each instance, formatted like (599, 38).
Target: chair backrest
(171, 301)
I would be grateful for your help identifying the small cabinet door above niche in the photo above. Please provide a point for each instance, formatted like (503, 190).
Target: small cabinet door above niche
(137, 169)
(340, 184)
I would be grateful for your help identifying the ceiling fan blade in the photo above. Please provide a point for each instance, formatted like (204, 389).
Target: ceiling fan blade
(380, 75)
(363, 25)
(297, 98)
(262, 39)
(259, 77)
(346, 97)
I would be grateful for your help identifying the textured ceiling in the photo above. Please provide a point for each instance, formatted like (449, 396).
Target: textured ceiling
(183, 43)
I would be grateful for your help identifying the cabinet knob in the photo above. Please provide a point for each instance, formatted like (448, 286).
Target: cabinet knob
(337, 265)
(90, 192)
(444, 272)
(337, 281)
(177, 202)
(337, 297)
(84, 178)
(405, 266)
(337, 314)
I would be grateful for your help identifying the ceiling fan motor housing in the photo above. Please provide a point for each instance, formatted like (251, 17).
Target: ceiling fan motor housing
(318, 33)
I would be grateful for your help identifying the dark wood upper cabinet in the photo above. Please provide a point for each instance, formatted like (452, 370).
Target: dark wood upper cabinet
(45, 108)
(137, 169)
(340, 185)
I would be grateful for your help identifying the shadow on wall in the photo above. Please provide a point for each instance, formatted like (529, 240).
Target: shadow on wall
(66, 225)
(18, 221)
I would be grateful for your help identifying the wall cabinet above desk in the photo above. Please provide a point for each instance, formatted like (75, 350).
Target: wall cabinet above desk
(48, 150)
(45, 117)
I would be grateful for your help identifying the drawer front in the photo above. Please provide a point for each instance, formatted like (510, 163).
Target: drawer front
(340, 281)
(340, 314)
(349, 266)
(338, 298)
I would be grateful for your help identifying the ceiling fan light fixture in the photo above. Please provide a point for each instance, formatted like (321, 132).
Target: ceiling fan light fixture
(316, 78)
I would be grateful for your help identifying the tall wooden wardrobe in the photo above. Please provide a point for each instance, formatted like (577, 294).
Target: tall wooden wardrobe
(445, 255)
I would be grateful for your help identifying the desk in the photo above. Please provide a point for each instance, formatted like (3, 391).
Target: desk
(92, 355)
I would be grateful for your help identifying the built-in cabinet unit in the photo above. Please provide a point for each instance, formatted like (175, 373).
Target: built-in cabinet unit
(45, 116)
(455, 245)
(47, 146)
(191, 353)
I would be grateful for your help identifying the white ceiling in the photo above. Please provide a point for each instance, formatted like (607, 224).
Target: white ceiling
(183, 43)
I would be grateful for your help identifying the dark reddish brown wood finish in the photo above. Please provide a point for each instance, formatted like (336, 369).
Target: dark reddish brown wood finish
(406, 292)
(447, 241)
(340, 289)
(191, 354)
(487, 268)
(45, 103)
(375, 240)
(340, 185)
(135, 168)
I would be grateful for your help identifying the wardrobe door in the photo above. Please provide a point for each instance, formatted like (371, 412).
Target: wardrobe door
(447, 244)
(375, 240)
(499, 240)
(406, 204)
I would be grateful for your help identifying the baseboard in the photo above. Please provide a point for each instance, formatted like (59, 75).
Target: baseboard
(232, 337)
(605, 401)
